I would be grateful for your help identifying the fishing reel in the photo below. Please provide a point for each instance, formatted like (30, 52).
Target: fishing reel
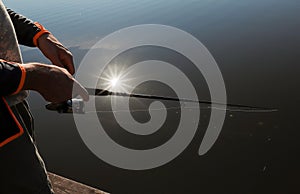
(70, 106)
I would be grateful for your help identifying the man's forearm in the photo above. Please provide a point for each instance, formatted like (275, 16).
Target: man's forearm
(25, 29)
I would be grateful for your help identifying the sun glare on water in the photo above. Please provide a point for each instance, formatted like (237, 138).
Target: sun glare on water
(115, 79)
(114, 82)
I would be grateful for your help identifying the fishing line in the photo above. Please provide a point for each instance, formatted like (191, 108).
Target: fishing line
(183, 107)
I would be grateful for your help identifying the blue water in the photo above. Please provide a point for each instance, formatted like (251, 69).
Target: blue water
(256, 45)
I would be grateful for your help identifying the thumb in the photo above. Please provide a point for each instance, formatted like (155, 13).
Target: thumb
(78, 89)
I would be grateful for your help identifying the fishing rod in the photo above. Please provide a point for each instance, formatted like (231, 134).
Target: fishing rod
(77, 105)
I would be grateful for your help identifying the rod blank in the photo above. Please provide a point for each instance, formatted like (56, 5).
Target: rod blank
(102, 92)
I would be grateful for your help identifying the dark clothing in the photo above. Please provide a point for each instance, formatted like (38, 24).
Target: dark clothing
(25, 28)
(10, 76)
(21, 166)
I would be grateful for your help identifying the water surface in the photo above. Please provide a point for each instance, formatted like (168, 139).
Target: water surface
(256, 45)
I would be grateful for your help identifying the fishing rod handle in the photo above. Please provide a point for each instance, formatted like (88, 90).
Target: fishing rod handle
(70, 106)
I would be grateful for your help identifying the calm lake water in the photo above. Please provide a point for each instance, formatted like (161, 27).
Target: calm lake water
(257, 47)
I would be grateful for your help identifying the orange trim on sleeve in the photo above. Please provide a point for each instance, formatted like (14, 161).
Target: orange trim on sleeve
(40, 33)
(22, 80)
(18, 124)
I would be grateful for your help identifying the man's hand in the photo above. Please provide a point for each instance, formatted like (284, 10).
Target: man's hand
(55, 84)
(56, 52)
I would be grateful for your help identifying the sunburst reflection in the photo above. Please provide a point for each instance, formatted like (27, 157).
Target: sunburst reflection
(115, 79)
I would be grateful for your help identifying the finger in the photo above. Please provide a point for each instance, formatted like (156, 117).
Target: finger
(68, 63)
(57, 62)
(66, 58)
(80, 90)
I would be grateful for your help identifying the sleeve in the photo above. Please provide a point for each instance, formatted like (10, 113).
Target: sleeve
(12, 78)
(27, 31)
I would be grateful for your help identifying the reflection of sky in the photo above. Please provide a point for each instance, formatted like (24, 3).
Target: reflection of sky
(92, 19)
